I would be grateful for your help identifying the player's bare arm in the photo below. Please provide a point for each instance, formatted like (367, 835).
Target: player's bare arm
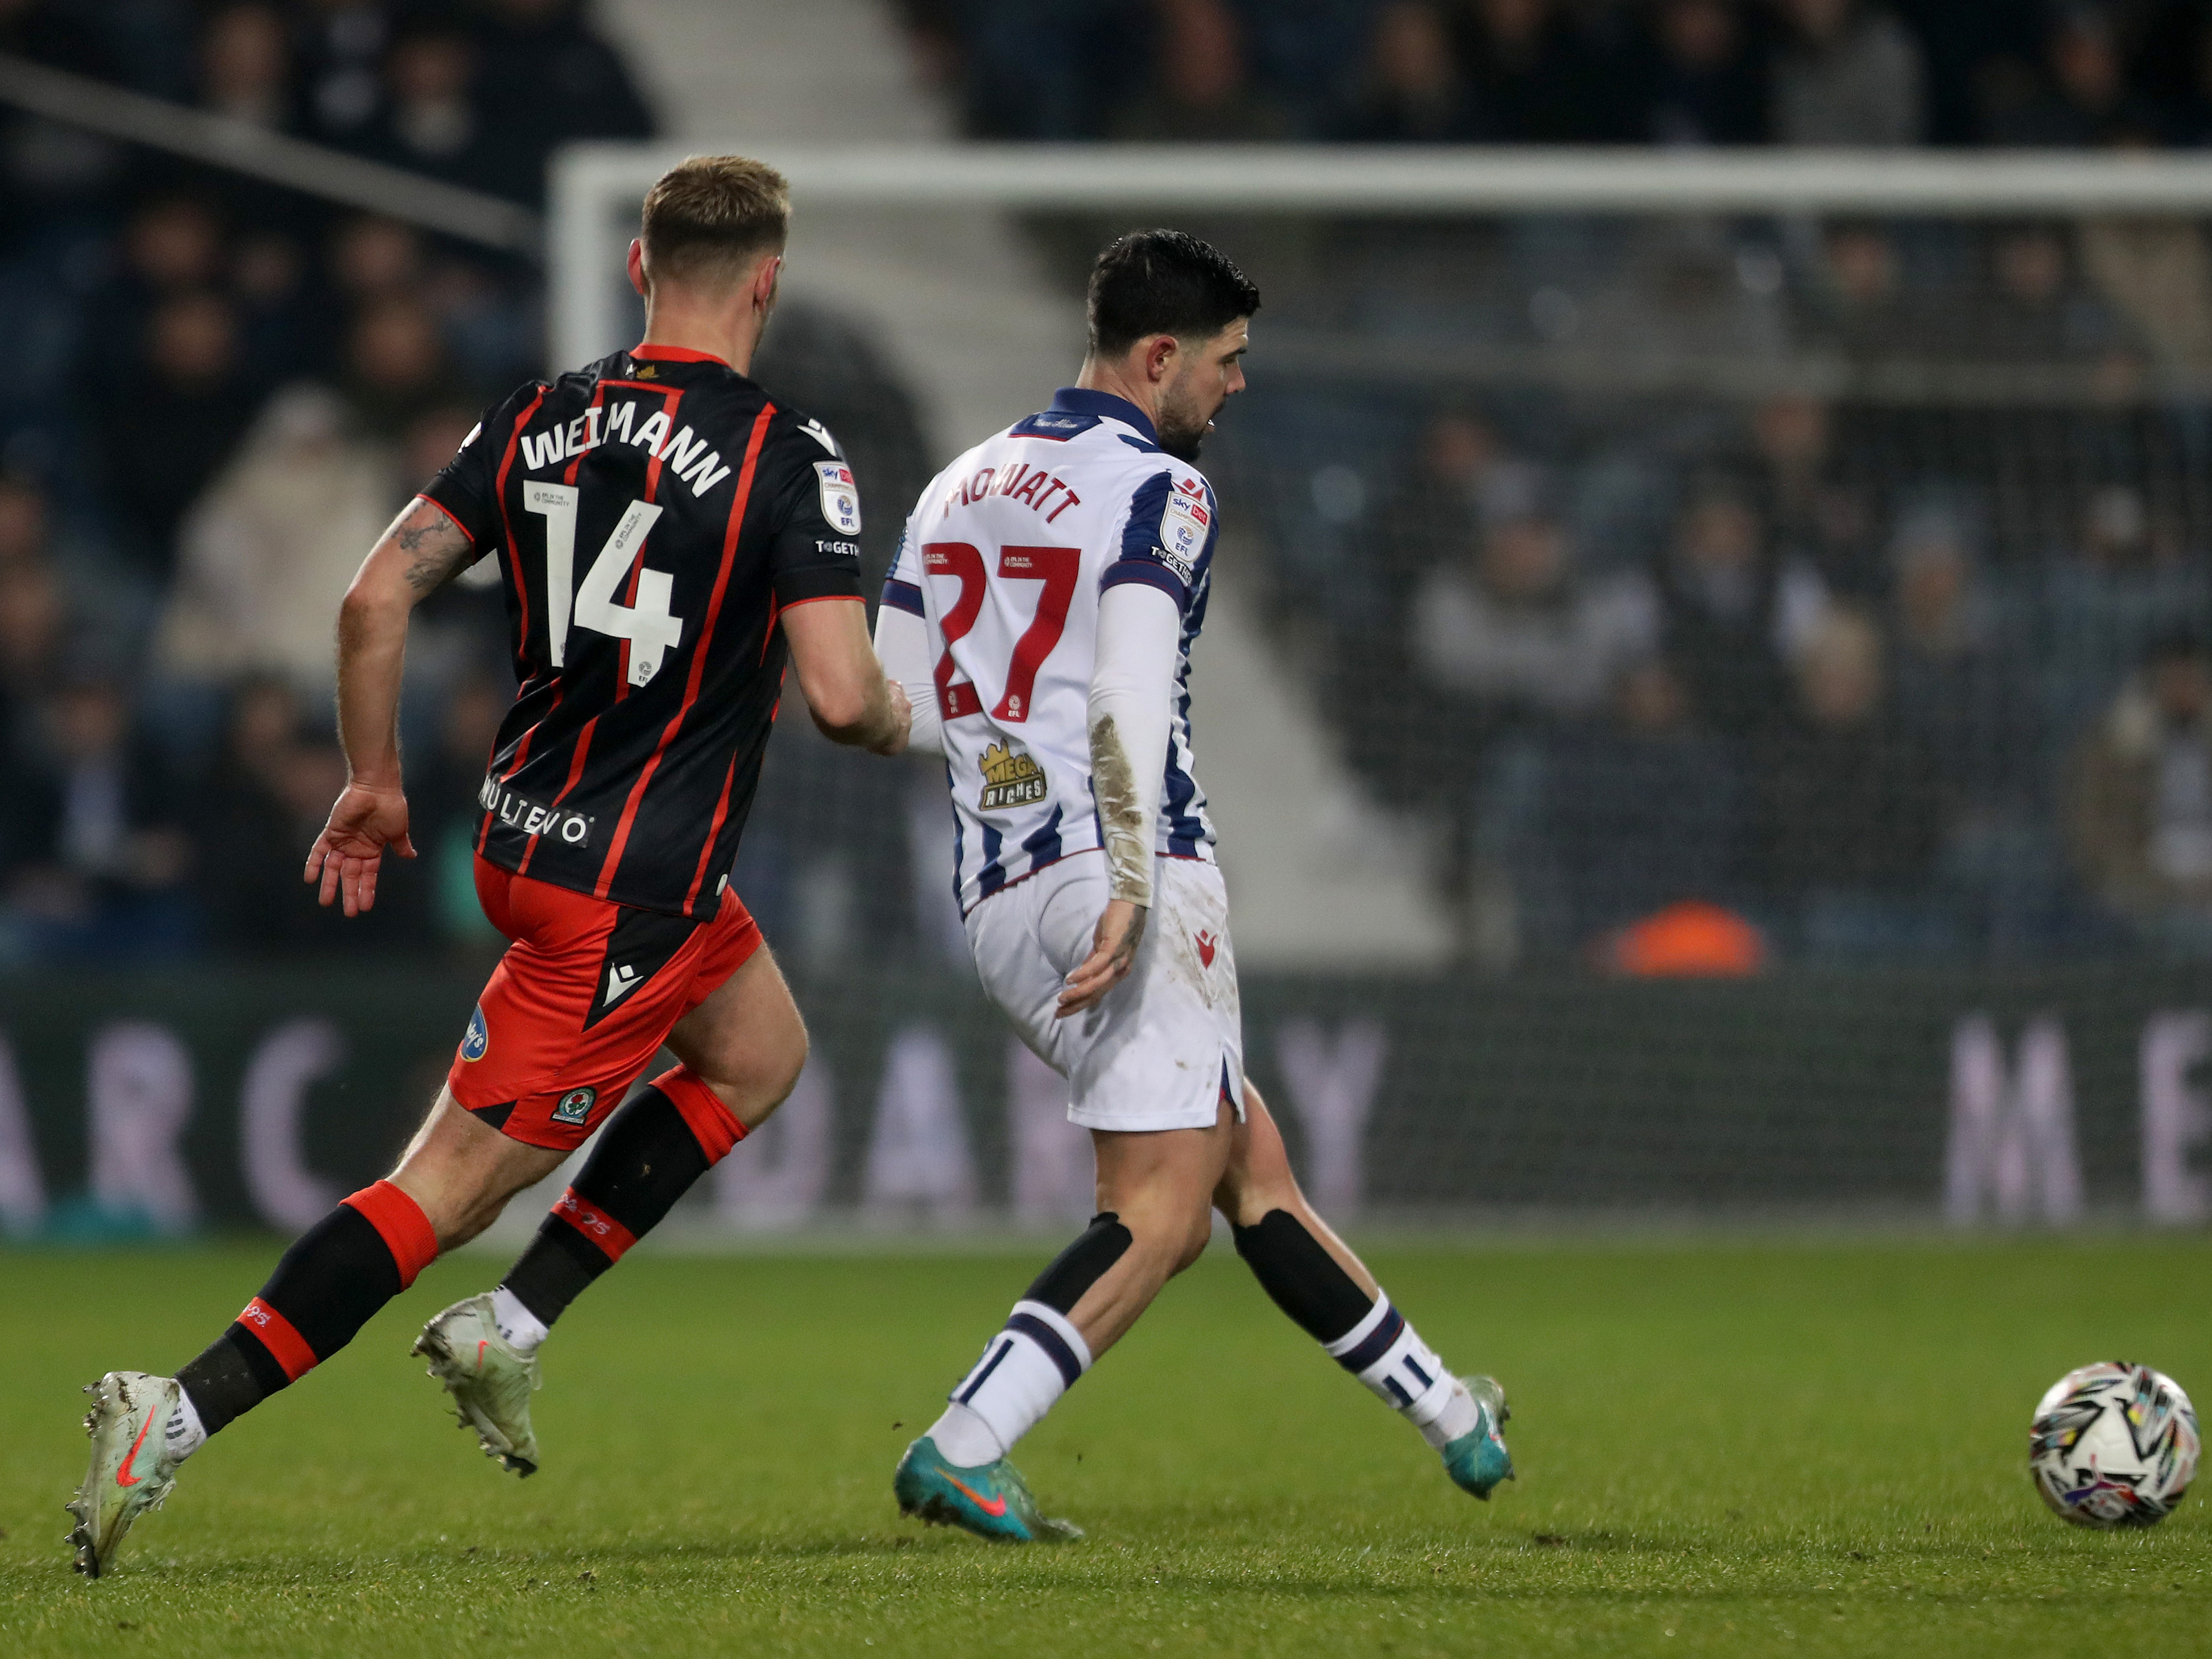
(422, 552)
(846, 692)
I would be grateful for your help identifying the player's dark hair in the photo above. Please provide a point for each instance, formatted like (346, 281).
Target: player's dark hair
(1164, 282)
(707, 218)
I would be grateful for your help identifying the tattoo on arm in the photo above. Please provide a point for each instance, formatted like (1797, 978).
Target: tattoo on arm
(433, 545)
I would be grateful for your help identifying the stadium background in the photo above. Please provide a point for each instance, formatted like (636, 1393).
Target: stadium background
(1708, 712)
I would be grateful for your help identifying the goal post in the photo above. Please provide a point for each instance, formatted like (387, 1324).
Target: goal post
(1725, 593)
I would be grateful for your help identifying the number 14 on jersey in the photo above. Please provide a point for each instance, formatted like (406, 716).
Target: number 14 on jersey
(652, 628)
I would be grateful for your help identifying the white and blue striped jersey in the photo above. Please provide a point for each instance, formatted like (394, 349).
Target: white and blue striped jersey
(1005, 558)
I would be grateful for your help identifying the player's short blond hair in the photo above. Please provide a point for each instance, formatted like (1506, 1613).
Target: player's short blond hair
(708, 218)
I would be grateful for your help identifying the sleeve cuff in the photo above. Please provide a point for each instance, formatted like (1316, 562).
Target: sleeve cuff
(902, 596)
(1152, 574)
(797, 586)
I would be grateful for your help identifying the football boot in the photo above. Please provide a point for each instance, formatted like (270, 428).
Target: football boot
(991, 1500)
(1477, 1460)
(131, 1471)
(489, 1380)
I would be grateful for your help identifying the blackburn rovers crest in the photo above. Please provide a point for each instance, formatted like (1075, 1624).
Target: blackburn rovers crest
(1011, 778)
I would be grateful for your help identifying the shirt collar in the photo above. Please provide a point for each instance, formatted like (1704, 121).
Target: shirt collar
(1081, 400)
(668, 354)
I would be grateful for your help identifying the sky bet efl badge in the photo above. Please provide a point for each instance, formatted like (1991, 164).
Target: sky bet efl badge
(1184, 526)
(840, 497)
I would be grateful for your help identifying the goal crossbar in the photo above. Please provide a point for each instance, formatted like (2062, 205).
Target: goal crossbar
(591, 180)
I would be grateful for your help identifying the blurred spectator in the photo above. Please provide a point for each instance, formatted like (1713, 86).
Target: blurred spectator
(246, 67)
(266, 554)
(1849, 73)
(1704, 82)
(1819, 518)
(170, 244)
(1642, 809)
(430, 121)
(32, 619)
(1515, 633)
(277, 314)
(1413, 92)
(1054, 71)
(2126, 581)
(263, 802)
(396, 367)
(1533, 78)
(1859, 303)
(1438, 510)
(1852, 807)
(443, 811)
(2082, 98)
(1734, 612)
(48, 170)
(2034, 310)
(2141, 809)
(342, 46)
(1202, 87)
(373, 257)
(94, 855)
(165, 430)
(1962, 693)
(548, 78)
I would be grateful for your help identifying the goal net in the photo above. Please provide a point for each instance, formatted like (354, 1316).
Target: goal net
(1707, 693)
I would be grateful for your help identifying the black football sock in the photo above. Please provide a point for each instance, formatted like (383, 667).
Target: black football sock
(325, 1288)
(651, 1151)
(1365, 1335)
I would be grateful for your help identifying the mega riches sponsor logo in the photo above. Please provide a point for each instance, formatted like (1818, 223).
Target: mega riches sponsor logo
(1011, 778)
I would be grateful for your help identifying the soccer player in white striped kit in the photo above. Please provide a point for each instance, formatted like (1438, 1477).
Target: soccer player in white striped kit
(1041, 616)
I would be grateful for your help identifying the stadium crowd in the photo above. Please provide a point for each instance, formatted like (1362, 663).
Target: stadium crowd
(1577, 72)
(1863, 619)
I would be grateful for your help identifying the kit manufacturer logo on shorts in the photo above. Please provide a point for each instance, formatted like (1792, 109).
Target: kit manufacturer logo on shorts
(575, 1106)
(519, 811)
(477, 1041)
(1011, 778)
(841, 497)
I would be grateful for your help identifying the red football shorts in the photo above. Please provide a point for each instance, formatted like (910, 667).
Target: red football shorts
(582, 1002)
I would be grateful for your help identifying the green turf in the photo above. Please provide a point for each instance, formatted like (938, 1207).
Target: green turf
(1726, 1448)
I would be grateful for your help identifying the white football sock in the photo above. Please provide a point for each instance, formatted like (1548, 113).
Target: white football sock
(1024, 1371)
(1387, 1354)
(522, 1329)
(185, 1434)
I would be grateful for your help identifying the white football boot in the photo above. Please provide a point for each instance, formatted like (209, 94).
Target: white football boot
(131, 1471)
(490, 1382)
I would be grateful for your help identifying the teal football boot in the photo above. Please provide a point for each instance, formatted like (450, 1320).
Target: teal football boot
(992, 1501)
(1477, 1460)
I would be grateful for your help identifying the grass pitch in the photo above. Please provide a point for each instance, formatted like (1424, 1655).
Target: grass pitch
(1724, 1449)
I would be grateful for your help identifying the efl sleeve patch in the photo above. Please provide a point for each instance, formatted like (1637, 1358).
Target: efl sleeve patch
(841, 497)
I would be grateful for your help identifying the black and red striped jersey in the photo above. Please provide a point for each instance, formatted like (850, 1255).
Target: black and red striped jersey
(652, 514)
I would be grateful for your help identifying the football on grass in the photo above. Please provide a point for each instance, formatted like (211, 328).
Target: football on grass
(2113, 1445)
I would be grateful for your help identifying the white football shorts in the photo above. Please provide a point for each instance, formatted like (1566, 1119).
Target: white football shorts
(1168, 1041)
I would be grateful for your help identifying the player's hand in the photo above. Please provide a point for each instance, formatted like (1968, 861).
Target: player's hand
(347, 855)
(1113, 953)
(902, 722)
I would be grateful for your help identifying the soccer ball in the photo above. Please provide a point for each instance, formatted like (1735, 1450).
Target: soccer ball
(2113, 1445)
